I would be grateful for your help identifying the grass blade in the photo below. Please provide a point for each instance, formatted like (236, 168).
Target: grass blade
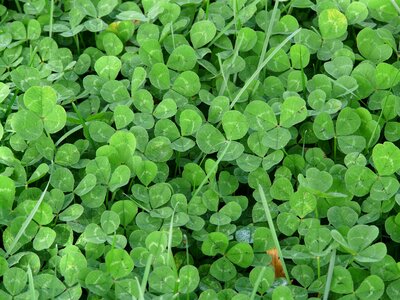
(51, 18)
(141, 295)
(214, 167)
(28, 219)
(329, 275)
(146, 276)
(273, 232)
(396, 6)
(257, 284)
(261, 66)
(269, 30)
(31, 284)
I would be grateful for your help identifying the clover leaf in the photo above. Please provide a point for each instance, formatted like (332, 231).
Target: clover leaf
(332, 23)
(202, 32)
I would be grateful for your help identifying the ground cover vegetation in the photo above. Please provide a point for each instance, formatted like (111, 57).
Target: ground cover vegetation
(190, 149)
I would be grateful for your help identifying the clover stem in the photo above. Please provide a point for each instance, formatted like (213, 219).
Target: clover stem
(130, 184)
(112, 197)
(78, 48)
(304, 144)
(177, 163)
(187, 248)
(82, 41)
(318, 267)
(9, 107)
(334, 148)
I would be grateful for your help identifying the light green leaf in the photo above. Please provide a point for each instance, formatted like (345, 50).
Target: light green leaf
(386, 158)
(118, 263)
(27, 124)
(241, 254)
(44, 238)
(372, 288)
(234, 124)
(332, 23)
(293, 111)
(190, 121)
(159, 76)
(119, 178)
(108, 67)
(188, 279)
(202, 32)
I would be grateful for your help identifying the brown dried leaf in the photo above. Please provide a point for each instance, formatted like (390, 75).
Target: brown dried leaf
(276, 262)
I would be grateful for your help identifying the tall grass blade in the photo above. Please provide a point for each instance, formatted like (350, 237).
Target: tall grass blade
(329, 275)
(273, 231)
(260, 67)
(257, 283)
(28, 219)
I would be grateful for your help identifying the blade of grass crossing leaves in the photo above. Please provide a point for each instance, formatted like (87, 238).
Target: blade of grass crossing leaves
(222, 32)
(382, 110)
(273, 232)
(169, 245)
(187, 248)
(395, 6)
(256, 285)
(235, 16)
(75, 129)
(137, 203)
(269, 30)
(51, 18)
(260, 67)
(141, 294)
(31, 285)
(67, 134)
(146, 276)
(207, 8)
(29, 218)
(83, 122)
(330, 274)
(211, 171)
(224, 76)
(334, 82)
(18, 6)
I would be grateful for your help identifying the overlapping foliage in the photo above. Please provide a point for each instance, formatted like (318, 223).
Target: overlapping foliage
(159, 149)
